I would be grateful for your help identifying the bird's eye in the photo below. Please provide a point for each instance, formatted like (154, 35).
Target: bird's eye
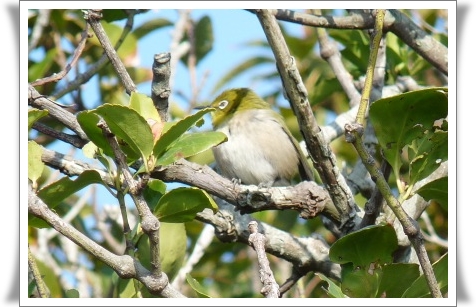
(222, 104)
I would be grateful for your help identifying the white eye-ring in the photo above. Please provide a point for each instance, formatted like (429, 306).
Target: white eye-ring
(222, 104)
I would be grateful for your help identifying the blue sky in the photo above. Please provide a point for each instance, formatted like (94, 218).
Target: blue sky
(231, 29)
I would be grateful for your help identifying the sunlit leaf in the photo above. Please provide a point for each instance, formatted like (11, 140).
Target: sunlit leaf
(144, 106)
(182, 204)
(34, 115)
(175, 131)
(190, 145)
(35, 165)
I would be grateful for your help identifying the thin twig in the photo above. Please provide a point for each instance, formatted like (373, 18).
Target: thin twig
(93, 17)
(149, 222)
(257, 241)
(40, 284)
(77, 53)
(354, 135)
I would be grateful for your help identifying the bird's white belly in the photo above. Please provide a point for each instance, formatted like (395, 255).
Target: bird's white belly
(257, 151)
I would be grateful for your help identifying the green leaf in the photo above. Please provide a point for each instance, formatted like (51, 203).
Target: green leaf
(397, 278)
(436, 190)
(129, 126)
(53, 194)
(182, 204)
(420, 287)
(35, 165)
(126, 288)
(50, 279)
(39, 70)
(190, 145)
(111, 15)
(427, 153)
(34, 115)
(201, 291)
(373, 244)
(175, 131)
(203, 39)
(153, 191)
(113, 31)
(398, 120)
(144, 105)
(88, 121)
(71, 293)
(173, 246)
(362, 255)
(358, 282)
(31, 287)
(149, 26)
(333, 290)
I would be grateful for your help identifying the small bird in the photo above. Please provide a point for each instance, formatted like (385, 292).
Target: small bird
(260, 149)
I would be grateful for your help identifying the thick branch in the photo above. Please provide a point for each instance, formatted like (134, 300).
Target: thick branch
(69, 120)
(320, 152)
(125, 266)
(307, 254)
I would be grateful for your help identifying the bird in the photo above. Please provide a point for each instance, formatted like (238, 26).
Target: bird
(260, 149)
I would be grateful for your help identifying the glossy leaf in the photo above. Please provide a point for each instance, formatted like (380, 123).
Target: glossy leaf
(88, 121)
(176, 130)
(373, 244)
(144, 105)
(398, 120)
(190, 145)
(128, 125)
(436, 190)
(182, 204)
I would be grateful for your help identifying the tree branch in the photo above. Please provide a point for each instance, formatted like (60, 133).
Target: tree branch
(93, 17)
(321, 155)
(125, 266)
(396, 22)
(257, 241)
